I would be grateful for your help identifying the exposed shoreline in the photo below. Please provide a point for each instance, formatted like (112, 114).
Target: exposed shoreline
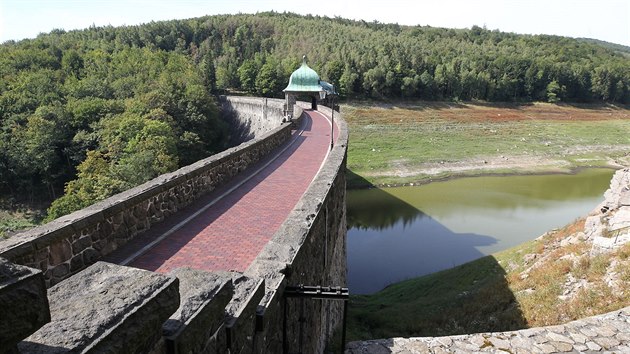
(473, 171)
(421, 142)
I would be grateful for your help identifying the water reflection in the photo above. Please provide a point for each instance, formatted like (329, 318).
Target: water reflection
(400, 233)
(388, 212)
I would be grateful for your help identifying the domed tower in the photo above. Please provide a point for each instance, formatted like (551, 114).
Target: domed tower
(305, 81)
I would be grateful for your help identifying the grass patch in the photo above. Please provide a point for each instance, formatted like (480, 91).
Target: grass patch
(517, 288)
(17, 217)
(395, 144)
(592, 301)
(448, 302)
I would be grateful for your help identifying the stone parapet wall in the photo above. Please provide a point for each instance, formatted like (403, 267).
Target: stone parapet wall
(251, 117)
(23, 304)
(209, 312)
(198, 325)
(106, 308)
(69, 244)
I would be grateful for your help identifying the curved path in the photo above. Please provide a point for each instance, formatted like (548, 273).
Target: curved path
(228, 228)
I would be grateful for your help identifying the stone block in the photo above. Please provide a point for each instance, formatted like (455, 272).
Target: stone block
(106, 308)
(242, 309)
(201, 314)
(76, 263)
(24, 305)
(60, 252)
(80, 244)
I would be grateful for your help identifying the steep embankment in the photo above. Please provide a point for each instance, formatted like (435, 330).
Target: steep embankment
(580, 270)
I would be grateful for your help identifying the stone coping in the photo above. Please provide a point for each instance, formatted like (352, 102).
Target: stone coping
(609, 332)
(23, 303)
(200, 316)
(106, 306)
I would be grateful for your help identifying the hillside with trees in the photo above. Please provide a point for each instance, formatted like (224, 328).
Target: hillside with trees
(88, 113)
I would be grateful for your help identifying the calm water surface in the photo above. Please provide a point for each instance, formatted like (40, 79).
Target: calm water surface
(399, 233)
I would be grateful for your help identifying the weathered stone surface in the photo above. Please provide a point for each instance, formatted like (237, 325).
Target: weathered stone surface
(241, 311)
(23, 303)
(201, 313)
(106, 308)
(574, 336)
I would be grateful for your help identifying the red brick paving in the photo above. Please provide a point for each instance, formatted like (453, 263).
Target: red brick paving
(231, 233)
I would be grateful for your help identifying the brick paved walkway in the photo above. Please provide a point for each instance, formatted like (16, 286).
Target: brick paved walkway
(231, 233)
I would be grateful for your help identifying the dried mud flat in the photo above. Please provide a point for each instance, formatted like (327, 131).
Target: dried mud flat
(394, 144)
(494, 164)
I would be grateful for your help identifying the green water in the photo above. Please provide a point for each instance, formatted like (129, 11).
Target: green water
(399, 233)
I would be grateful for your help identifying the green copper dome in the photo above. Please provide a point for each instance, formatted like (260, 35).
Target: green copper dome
(304, 79)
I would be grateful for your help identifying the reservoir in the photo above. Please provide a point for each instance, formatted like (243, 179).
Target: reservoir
(400, 233)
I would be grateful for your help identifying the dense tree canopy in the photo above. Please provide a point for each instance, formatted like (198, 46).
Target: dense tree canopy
(94, 117)
(96, 111)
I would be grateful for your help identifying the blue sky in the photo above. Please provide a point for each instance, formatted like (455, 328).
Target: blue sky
(607, 20)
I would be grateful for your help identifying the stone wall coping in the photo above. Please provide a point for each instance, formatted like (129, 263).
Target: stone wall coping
(608, 332)
(24, 306)
(204, 296)
(246, 290)
(42, 236)
(98, 305)
(11, 273)
(253, 100)
(197, 289)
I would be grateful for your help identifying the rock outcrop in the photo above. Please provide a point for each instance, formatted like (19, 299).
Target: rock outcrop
(608, 226)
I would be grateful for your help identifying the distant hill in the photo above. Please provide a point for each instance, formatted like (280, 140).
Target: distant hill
(613, 46)
(257, 53)
(92, 112)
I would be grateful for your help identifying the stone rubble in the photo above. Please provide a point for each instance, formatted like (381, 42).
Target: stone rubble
(608, 333)
(609, 228)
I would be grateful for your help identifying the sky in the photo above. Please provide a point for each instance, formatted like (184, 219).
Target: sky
(607, 20)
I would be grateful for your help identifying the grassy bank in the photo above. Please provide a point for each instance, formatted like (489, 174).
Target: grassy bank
(15, 217)
(547, 281)
(419, 142)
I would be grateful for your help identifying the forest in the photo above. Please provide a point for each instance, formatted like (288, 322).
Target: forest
(85, 114)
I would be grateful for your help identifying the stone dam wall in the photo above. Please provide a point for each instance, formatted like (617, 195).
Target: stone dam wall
(70, 243)
(98, 307)
(251, 117)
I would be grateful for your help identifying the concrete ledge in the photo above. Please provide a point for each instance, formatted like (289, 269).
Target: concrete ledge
(106, 308)
(23, 303)
(198, 324)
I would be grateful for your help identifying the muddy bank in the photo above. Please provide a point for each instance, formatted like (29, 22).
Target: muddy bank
(489, 166)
